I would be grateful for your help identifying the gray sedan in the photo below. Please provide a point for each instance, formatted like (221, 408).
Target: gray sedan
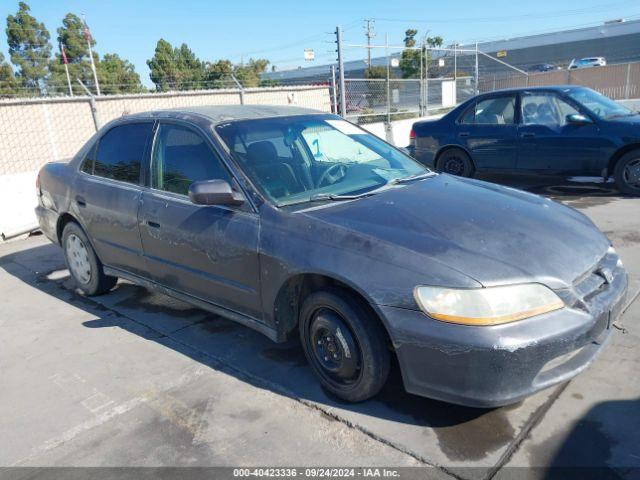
(297, 223)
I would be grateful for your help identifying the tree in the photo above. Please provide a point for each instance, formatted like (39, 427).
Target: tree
(117, 75)
(29, 47)
(410, 57)
(175, 68)
(376, 72)
(218, 74)
(164, 66)
(191, 68)
(249, 75)
(8, 82)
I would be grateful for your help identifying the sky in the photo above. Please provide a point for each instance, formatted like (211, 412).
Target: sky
(280, 30)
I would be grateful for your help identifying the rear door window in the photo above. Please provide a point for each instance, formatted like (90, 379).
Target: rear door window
(492, 111)
(120, 152)
(180, 157)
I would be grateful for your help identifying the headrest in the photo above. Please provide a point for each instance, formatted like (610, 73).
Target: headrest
(260, 153)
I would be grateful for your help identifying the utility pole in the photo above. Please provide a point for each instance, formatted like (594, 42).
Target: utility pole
(343, 102)
(369, 34)
(477, 72)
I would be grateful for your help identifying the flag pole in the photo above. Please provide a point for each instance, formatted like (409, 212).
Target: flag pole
(87, 36)
(66, 67)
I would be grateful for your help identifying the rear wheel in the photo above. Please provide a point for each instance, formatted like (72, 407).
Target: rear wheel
(345, 347)
(627, 173)
(455, 162)
(84, 265)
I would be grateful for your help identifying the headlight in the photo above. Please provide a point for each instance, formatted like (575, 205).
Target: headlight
(486, 306)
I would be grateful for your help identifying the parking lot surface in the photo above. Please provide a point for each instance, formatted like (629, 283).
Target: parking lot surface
(134, 378)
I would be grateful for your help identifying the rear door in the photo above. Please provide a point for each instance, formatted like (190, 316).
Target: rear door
(488, 131)
(108, 191)
(549, 143)
(209, 252)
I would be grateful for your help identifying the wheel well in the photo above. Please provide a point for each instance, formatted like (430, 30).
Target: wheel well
(64, 219)
(297, 288)
(451, 147)
(619, 154)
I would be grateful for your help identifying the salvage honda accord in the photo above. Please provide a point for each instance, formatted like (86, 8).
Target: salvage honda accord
(296, 222)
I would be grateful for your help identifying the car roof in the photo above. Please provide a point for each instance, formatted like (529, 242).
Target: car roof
(227, 113)
(554, 88)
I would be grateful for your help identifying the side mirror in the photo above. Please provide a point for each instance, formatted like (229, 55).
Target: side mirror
(214, 192)
(578, 119)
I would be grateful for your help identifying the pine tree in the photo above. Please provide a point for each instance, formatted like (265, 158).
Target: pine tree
(29, 48)
(8, 82)
(117, 75)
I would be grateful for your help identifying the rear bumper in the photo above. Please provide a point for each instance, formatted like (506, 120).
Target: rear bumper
(502, 364)
(48, 221)
(424, 156)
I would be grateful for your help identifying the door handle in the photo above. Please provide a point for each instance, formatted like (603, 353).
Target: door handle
(464, 134)
(81, 201)
(153, 224)
(527, 135)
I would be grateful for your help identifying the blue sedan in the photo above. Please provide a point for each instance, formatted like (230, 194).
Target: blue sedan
(560, 131)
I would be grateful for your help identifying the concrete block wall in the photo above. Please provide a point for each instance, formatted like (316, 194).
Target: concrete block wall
(36, 131)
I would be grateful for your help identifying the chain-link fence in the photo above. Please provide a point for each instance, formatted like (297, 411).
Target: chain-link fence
(620, 81)
(36, 131)
(406, 82)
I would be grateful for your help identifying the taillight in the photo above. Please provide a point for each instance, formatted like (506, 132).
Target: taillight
(412, 137)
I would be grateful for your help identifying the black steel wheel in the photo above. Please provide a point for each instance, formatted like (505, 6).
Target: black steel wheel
(627, 173)
(455, 162)
(345, 347)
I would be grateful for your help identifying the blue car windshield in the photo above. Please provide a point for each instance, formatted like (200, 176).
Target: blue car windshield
(603, 107)
(304, 158)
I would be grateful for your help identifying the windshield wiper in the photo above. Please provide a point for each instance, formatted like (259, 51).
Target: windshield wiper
(322, 197)
(411, 178)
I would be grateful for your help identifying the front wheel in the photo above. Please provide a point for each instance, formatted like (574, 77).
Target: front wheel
(627, 173)
(455, 162)
(345, 347)
(83, 263)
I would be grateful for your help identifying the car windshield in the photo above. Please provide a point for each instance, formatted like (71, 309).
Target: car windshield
(307, 158)
(601, 106)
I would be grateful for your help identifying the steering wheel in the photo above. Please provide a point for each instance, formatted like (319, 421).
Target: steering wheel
(333, 174)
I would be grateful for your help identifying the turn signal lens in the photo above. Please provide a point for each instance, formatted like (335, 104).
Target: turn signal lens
(486, 306)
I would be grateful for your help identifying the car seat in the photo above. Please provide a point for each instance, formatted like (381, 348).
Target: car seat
(276, 176)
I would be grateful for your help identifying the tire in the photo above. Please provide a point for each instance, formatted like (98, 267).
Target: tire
(455, 162)
(335, 324)
(83, 263)
(627, 173)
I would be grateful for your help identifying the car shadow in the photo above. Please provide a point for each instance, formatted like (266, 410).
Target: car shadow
(462, 433)
(579, 192)
(601, 445)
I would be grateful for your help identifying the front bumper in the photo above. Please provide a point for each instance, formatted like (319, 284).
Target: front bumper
(502, 364)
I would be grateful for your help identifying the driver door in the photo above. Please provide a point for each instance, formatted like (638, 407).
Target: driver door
(550, 144)
(209, 252)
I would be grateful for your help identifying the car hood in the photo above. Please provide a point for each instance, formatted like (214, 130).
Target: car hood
(493, 234)
(633, 120)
